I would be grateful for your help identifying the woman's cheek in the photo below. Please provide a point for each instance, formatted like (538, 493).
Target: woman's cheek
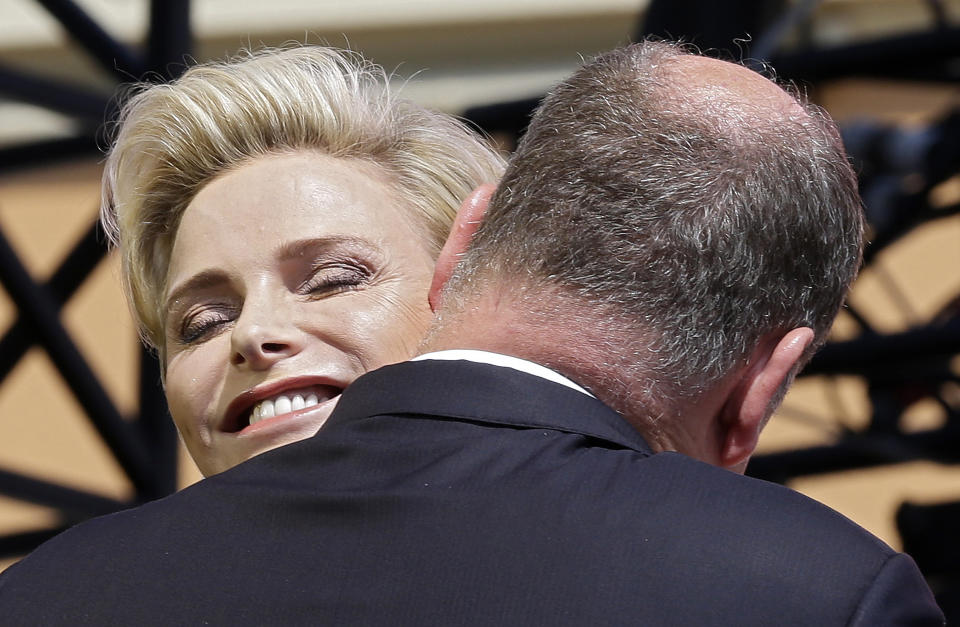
(192, 384)
(397, 323)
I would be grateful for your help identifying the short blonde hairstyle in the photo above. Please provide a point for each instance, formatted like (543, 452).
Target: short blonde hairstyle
(172, 139)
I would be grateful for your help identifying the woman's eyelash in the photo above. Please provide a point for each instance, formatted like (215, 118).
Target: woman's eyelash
(325, 279)
(198, 326)
(335, 277)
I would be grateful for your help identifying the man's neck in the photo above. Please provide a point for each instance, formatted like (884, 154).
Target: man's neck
(577, 343)
(494, 324)
(544, 329)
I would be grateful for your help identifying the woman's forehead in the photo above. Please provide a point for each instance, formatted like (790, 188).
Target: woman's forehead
(292, 193)
(241, 218)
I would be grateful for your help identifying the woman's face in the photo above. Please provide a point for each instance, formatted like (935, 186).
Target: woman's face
(289, 278)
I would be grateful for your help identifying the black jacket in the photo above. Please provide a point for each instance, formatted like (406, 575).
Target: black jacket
(454, 493)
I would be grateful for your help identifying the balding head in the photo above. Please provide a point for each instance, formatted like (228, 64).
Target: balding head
(680, 208)
(732, 96)
(708, 80)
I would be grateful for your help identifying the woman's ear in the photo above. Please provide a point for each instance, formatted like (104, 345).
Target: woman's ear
(747, 408)
(464, 226)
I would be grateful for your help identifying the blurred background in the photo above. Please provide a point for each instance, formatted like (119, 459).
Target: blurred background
(872, 428)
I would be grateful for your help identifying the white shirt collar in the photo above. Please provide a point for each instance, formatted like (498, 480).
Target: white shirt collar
(504, 361)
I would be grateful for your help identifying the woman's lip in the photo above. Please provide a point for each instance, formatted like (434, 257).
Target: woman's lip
(269, 424)
(235, 418)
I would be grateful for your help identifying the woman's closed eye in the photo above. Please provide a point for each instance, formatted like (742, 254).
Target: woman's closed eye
(332, 278)
(203, 323)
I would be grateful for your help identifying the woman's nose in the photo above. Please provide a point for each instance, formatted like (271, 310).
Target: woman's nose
(263, 337)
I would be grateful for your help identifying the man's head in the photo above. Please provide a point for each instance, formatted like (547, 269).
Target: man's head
(673, 224)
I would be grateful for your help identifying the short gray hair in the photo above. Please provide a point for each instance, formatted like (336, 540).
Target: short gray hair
(696, 232)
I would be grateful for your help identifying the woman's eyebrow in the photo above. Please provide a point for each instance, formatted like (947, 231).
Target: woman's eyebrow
(199, 281)
(291, 250)
(315, 245)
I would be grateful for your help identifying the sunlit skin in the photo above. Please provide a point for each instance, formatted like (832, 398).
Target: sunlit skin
(293, 273)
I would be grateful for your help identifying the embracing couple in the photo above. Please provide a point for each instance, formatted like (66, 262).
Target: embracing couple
(601, 332)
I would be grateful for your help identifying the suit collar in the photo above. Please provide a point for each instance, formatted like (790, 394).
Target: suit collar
(484, 393)
(506, 361)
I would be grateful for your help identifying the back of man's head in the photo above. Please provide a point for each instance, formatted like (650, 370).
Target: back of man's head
(674, 212)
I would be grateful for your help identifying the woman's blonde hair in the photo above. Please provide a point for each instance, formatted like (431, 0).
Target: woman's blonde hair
(172, 139)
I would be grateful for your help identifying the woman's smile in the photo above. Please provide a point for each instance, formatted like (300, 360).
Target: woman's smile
(286, 402)
(278, 401)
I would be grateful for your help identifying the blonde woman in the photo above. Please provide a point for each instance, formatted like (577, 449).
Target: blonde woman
(278, 217)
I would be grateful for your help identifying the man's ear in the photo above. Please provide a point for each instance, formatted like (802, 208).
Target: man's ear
(744, 414)
(464, 226)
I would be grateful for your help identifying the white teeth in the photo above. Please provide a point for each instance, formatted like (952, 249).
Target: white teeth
(283, 404)
(266, 409)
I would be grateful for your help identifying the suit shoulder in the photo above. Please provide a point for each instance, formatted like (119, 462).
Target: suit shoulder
(770, 511)
(110, 545)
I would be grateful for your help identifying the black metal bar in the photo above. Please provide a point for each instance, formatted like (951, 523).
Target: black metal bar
(904, 56)
(39, 310)
(113, 56)
(171, 38)
(873, 353)
(72, 100)
(859, 318)
(722, 29)
(858, 451)
(776, 30)
(929, 534)
(911, 211)
(503, 117)
(46, 152)
(156, 427)
(17, 544)
(939, 13)
(73, 504)
(77, 266)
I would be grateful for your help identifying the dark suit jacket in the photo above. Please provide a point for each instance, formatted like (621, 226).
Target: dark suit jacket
(453, 493)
